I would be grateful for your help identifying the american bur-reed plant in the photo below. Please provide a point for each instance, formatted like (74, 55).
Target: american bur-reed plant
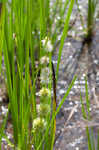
(25, 40)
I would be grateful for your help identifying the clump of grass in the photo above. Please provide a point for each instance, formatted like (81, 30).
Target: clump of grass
(25, 35)
(91, 11)
(91, 17)
(86, 115)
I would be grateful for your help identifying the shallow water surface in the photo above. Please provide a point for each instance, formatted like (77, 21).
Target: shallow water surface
(71, 131)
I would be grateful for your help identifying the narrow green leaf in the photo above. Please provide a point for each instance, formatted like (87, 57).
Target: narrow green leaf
(82, 107)
(87, 98)
(64, 35)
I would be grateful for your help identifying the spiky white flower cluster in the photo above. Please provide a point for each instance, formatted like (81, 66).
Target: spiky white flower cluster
(43, 109)
(48, 47)
(44, 60)
(39, 124)
(45, 74)
(44, 92)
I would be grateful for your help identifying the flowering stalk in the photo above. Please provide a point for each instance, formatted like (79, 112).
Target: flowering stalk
(44, 108)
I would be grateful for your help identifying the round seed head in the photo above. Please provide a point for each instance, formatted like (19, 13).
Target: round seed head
(39, 125)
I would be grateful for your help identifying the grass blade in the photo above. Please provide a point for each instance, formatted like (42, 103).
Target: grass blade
(64, 35)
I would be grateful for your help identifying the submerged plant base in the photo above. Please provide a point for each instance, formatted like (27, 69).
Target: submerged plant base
(88, 39)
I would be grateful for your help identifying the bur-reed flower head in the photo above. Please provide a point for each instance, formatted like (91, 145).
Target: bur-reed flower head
(44, 60)
(44, 41)
(48, 47)
(44, 92)
(45, 74)
(43, 109)
(39, 124)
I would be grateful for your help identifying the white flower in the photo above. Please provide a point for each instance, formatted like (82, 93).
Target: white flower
(44, 60)
(39, 124)
(43, 109)
(33, 32)
(45, 73)
(44, 92)
(4, 110)
(58, 18)
(44, 41)
(47, 45)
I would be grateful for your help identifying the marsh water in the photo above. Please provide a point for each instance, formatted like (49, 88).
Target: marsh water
(70, 125)
(72, 136)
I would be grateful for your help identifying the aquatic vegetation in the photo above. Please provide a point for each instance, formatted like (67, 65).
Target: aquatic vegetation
(26, 37)
(39, 125)
(30, 31)
(89, 124)
(88, 27)
(91, 17)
